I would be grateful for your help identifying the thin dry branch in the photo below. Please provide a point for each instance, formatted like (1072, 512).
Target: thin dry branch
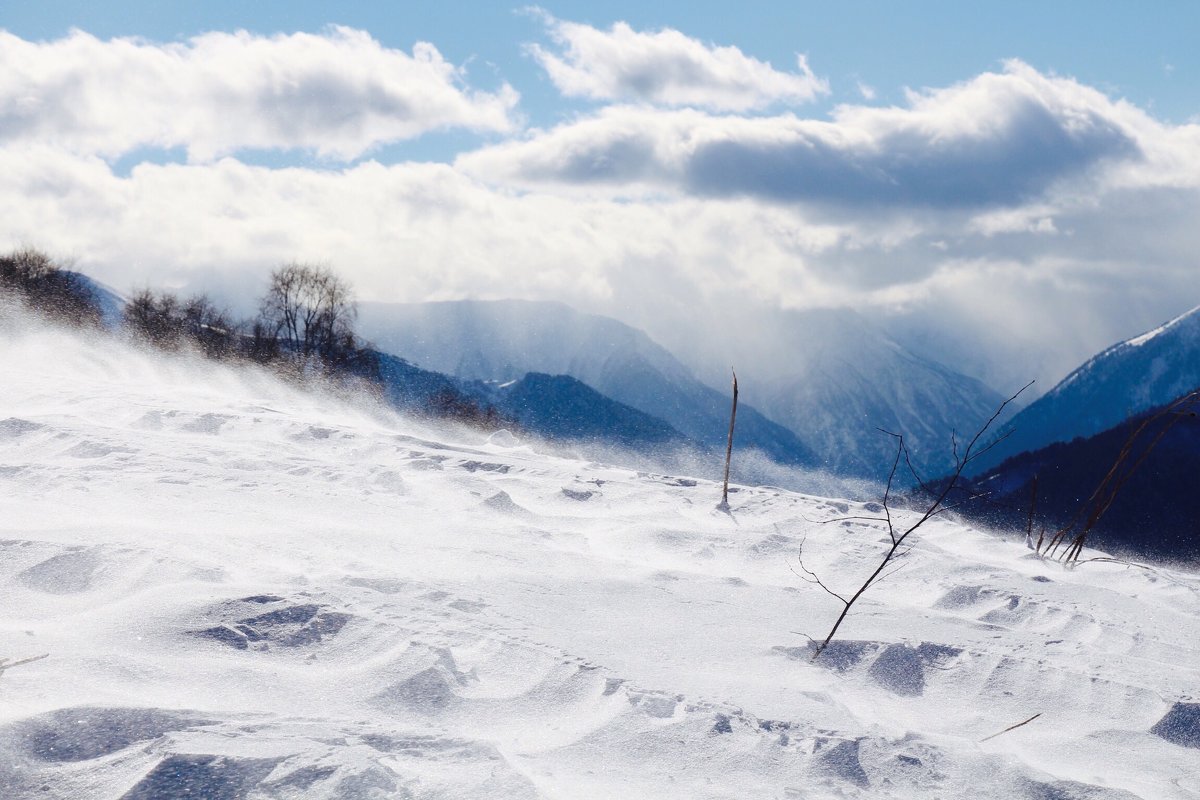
(7, 664)
(887, 492)
(724, 504)
(811, 577)
(912, 471)
(1011, 727)
(961, 462)
(844, 519)
(1032, 509)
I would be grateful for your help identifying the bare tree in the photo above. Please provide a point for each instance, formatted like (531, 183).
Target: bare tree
(164, 320)
(897, 536)
(153, 317)
(212, 328)
(311, 311)
(47, 288)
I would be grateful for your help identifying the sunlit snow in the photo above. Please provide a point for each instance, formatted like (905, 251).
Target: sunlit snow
(248, 590)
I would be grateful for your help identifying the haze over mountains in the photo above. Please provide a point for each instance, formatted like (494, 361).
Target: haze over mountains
(845, 378)
(834, 381)
(823, 385)
(583, 378)
(503, 341)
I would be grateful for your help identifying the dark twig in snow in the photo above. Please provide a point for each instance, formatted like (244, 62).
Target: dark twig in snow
(811, 577)
(1012, 727)
(724, 504)
(961, 461)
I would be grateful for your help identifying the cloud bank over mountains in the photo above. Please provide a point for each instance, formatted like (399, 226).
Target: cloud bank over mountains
(1015, 210)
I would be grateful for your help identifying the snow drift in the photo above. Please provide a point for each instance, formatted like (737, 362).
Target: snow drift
(250, 591)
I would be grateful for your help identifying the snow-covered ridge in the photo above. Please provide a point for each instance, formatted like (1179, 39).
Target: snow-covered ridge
(246, 586)
(1148, 335)
(1130, 377)
(1082, 372)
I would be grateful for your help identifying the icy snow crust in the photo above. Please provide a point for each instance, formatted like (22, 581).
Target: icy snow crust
(248, 591)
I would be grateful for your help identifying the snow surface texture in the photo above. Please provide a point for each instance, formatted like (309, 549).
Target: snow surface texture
(247, 591)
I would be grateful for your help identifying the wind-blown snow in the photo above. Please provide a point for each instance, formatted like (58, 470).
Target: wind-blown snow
(250, 591)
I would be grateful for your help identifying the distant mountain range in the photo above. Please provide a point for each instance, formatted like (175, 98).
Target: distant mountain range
(503, 341)
(839, 381)
(1130, 377)
(555, 407)
(843, 378)
(561, 407)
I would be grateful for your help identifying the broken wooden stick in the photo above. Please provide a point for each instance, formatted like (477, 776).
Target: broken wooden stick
(724, 504)
(1012, 727)
(6, 664)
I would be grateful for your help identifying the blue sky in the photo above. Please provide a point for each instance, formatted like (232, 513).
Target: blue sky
(1014, 183)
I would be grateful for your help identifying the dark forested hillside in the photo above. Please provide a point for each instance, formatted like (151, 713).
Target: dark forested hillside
(1156, 512)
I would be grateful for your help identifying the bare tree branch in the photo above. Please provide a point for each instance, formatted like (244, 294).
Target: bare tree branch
(934, 507)
(1089, 513)
(810, 576)
(7, 664)
(724, 504)
(844, 519)
(1011, 727)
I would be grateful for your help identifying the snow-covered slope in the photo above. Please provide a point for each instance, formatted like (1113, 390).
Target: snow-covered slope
(248, 591)
(1146, 371)
(504, 340)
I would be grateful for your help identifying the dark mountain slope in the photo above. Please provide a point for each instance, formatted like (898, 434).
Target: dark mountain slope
(1157, 512)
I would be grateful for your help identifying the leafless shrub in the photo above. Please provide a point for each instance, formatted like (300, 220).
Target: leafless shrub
(898, 537)
(41, 284)
(164, 320)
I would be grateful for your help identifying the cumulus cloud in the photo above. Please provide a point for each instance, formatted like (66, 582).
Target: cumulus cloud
(999, 139)
(338, 93)
(666, 68)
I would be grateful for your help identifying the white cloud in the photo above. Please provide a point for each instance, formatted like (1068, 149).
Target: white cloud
(682, 267)
(667, 68)
(1000, 139)
(338, 93)
(695, 226)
